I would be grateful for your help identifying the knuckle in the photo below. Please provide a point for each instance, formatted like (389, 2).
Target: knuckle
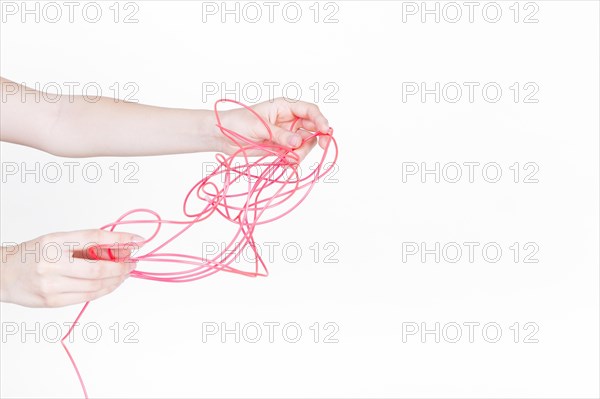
(84, 297)
(96, 236)
(45, 288)
(50, 302)
(48, 238)
(97, 294)
(42, 268)
(89, 238)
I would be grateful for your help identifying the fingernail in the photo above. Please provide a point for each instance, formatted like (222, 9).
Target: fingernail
(136, 238)
(295, 140)
(132, 266)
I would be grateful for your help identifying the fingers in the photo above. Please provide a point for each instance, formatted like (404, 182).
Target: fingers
(323, 141)
(285, 137)
(313, 121)
(72, 298)
(310, 125)
(62, 285)
(108, 252)
(306, 148)
(306, 124)
(102, 269)
(303, 143)
(82, 239)
(295, 139)
(308, 144)
(312, 113)
(63, 291)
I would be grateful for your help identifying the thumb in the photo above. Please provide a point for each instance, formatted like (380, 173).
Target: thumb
(285, 137)
(101, 244)
(83, 238)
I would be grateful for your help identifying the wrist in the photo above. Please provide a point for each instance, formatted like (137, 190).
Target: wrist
(209, 135)
(6, 274)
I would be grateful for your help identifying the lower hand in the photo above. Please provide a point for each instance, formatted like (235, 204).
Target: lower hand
(56, 269)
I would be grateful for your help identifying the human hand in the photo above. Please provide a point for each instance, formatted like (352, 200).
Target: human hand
(279, 115)
(62, 269)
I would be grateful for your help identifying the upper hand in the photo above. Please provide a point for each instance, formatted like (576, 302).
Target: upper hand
(280, 115)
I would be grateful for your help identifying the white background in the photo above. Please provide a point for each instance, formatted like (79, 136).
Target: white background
(368, 213)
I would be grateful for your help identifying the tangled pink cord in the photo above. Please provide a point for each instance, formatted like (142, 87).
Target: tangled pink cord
(274, 188)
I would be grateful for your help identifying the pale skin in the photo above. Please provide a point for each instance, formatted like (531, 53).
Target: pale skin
(75, 127)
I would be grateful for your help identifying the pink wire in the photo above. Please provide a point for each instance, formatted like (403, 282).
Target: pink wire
(273, 182)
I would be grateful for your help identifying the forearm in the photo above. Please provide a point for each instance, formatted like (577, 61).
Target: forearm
(114, 128)
(76, 127)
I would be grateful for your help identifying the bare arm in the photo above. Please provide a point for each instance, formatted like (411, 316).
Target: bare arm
(75, 127)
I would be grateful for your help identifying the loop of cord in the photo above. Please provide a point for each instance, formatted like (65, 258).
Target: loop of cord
(253, 192)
